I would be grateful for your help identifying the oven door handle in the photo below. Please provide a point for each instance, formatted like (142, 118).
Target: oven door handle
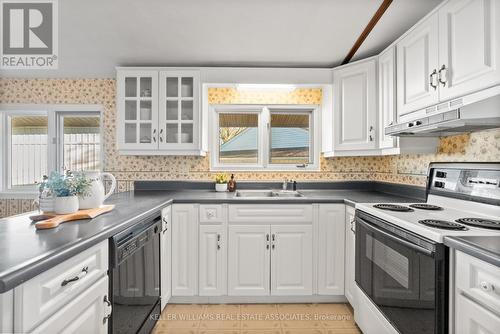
(394, 238)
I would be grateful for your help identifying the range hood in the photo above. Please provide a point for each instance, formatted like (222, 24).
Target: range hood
(479, 111)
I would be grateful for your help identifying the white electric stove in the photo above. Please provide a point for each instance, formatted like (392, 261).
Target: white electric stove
(401, 261)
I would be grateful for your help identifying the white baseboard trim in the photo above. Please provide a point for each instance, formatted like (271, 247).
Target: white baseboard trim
(256, 299)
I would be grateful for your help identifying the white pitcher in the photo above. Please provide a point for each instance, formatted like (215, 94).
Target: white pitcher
(96, 195)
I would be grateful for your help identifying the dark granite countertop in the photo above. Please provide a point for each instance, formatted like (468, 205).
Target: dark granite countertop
(26, 252)
(486, 248)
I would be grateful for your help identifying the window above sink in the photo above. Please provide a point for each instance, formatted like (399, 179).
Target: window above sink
(265, 137)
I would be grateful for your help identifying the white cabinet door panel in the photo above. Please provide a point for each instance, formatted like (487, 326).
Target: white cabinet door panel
(471, 318)
(469, 46)
(350, 258)
(166, 256)
(355, 106)
(212, 260)
(417, 58)
(386, 97)
(248, 260)
(331, 249)
(184, 250)
(84, 314)
(291, 260)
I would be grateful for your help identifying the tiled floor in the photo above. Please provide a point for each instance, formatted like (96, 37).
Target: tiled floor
(257, 319)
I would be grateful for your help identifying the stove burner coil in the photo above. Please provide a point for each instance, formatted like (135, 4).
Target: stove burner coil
(443, 224)
(425, 206)
(480, 222)
(393, 207)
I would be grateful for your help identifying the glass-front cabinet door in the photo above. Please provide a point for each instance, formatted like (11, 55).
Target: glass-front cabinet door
(178, 110)
(137, 121)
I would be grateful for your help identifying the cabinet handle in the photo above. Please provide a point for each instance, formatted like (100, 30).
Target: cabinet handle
(273, 237)
(84, 272)
(431, 77)
(267, 239)
(352, 226)
(371, 138)
(486, 286)
(440, 76)
(108, 304)
(218, 241)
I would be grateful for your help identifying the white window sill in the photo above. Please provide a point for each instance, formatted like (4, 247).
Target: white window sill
(264, 169)
(18, 194)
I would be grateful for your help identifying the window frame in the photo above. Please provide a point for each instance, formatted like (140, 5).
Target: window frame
(54, 143)
(264, 129)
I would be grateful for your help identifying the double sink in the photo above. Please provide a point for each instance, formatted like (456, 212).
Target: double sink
(267, 193)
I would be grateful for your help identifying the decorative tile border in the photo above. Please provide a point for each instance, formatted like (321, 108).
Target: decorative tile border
(402, 169)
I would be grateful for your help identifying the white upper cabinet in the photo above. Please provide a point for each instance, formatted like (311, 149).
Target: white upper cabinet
(469, 46)
(355, 106)
(452, 53)
(158, 112)
(417, 64)
(386, 96)
(179, 115)
(137, 118)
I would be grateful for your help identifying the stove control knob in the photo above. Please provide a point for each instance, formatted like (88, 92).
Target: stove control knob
(438, 184)
(441, 174)
(487, 287)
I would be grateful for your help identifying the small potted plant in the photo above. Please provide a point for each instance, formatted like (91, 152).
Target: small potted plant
(221, 182)
(66, 188)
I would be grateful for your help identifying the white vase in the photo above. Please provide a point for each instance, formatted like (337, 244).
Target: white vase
(66, 205)
(46, 204)
(96, 196)
(221, 187)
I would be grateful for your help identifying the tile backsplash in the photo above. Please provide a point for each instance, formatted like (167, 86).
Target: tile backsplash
(406, 169)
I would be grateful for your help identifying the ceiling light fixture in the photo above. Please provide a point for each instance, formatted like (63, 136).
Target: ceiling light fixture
(275, 87)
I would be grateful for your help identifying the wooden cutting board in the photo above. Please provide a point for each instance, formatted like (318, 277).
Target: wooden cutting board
(81, 214)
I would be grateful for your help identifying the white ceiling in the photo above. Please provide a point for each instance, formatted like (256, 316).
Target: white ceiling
(97, 35)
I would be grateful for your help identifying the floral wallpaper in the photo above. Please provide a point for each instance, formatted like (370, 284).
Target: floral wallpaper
(405, 169)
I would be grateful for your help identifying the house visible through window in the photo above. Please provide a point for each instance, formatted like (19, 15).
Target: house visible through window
(264, 138)
(34, 143)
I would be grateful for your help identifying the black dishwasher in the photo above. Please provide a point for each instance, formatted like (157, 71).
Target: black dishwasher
(135, 277)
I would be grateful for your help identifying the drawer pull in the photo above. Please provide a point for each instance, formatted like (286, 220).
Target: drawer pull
(485, 286)
(84, 272)
(108, 304)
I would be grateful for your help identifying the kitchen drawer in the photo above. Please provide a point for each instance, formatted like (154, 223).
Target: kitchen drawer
(270, 213)
(212, 213)
(43, 295)
(471, 318)
(478, 279)
(86, 313)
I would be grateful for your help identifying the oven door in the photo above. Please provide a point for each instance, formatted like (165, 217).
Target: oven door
(404, 276)
(136, 288)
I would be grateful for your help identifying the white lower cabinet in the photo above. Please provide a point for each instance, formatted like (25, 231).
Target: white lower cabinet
(248, 260)
(212, 260)
(350, 255)
(471, 318)
(331, 234)
(166, 256)
(184, 249)
(86, 313)
(291, 260)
